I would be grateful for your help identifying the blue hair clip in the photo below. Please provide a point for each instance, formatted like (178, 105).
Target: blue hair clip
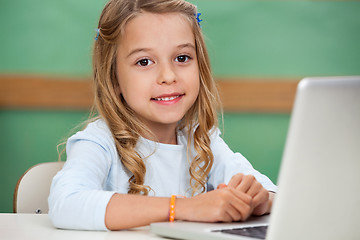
(198, 18)
(97, 34)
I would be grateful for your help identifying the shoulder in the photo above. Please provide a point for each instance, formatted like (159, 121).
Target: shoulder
(215, 138)
(96, 132)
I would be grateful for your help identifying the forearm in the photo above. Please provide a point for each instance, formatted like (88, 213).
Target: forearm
(222, 205)
(128, 211)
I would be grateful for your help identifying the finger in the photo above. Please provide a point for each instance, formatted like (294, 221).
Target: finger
(262, 203)
(225, 211)
(242, 203)
(235, 180)
(228, 217)
(234, 214)
(221, 186)
(246, 183)
(254, 189)
(260, 198)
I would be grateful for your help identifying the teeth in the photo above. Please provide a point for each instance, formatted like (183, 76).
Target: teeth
(166, 98)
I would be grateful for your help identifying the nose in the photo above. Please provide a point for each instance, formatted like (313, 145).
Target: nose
(167, 74)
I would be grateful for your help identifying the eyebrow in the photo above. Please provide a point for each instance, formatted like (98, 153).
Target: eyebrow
(136, 50)
(181, 46)
(185, 45)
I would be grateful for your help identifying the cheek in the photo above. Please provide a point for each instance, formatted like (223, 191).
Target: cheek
(195, 86)
(194, 81)
(135, 93)
(126, 83)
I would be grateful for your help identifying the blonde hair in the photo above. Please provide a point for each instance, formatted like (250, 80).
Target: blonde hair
(126, 128)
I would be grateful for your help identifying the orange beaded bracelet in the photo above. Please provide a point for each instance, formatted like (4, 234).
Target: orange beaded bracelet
(172, 207)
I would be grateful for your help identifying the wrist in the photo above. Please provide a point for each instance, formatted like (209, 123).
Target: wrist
(183, 209)
(174, 208)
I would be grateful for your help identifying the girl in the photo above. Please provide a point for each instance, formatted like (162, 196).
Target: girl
(156, 136)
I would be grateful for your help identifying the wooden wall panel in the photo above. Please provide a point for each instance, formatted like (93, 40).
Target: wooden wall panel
(39, 92)
(257, 95)
(237, 94)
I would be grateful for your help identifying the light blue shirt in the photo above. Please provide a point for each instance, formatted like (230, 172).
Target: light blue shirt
(93, 172)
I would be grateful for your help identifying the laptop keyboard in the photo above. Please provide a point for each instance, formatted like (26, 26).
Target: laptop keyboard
(253, 232)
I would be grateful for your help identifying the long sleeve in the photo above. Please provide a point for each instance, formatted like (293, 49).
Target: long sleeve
(227, 164)
(78, 198)
(93, 172)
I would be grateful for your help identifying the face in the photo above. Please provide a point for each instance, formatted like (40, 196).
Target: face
(157, 68)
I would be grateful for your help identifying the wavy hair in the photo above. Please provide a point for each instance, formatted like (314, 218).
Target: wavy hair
(124, 125)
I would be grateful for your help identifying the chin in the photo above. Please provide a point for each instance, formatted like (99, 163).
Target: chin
(169, 121)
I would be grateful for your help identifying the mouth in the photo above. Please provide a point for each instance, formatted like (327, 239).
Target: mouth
(168, 98)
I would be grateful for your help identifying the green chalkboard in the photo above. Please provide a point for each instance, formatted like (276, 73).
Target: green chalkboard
(282, 38)
(245, 38)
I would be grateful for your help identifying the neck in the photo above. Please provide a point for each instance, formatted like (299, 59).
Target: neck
(163, 134)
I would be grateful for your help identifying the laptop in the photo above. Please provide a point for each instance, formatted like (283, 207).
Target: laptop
(319, 180)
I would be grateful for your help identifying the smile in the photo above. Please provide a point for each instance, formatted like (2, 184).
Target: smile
(167, 98)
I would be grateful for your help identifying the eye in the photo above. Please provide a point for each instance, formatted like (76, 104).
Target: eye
(144, 62)
(182, 58)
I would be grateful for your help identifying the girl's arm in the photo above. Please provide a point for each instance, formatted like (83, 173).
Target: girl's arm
(127, 211)
(225, 205)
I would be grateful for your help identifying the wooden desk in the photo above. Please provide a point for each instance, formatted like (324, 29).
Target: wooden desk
(39, 227)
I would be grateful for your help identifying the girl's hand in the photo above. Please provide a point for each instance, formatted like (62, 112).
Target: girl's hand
(221, 205)
(249, 185)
